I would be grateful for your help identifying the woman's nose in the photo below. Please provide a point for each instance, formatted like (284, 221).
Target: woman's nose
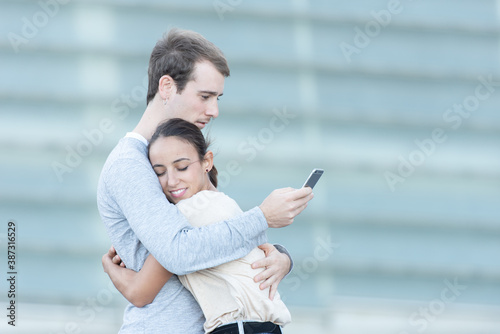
(172, 180)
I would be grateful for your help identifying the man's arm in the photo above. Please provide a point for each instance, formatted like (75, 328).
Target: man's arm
(176, 245)
(166, 233)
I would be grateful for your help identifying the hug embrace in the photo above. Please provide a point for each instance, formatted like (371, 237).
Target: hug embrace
(185, 255)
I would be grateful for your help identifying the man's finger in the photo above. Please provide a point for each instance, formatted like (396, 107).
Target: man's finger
(299, 209)
(262, 263)
(267, 283)
(284, 190)
(301, 193)
(272, 291)
(305, 199)
(265, 275)
(267, 248)
(261, 277)
(302, 203)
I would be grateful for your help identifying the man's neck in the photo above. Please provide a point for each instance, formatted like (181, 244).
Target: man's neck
(149, 121)
(144, 130)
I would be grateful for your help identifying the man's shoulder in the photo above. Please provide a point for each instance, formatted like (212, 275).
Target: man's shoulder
(127, 151)
(130, 154)
(128, 148)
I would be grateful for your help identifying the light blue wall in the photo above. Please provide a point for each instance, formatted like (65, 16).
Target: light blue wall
(356, 116)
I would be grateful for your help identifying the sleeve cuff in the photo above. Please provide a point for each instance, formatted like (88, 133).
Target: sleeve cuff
(283, 250)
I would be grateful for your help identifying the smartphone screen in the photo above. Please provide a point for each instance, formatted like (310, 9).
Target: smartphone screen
(313, 178)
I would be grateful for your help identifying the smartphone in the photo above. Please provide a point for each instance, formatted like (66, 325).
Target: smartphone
(313, 178)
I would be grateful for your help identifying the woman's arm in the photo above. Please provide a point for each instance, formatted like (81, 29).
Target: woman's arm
(139, 288)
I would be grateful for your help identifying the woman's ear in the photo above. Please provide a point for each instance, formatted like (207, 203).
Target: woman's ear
(166, 87)
(208, 160)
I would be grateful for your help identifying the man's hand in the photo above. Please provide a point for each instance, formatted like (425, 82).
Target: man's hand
(276, 265)
(283, 205)
(111, 258)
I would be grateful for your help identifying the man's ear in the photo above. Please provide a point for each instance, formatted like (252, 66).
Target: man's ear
(208, 160)
(166, 87)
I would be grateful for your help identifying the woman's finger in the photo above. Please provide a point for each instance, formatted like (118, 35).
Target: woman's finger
(117, 259)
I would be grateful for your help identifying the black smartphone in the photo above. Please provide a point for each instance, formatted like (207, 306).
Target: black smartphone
(313, 178)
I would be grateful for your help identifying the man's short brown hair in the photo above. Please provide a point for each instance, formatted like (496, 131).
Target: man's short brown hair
(176, 55)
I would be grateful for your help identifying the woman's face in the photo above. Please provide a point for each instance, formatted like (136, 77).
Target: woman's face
(179, 169)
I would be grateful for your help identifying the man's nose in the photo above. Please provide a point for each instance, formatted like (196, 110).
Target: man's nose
(213, 110)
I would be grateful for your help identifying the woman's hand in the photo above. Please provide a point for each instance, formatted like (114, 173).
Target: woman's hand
(111, 257)
(140, 288)
(277, 266)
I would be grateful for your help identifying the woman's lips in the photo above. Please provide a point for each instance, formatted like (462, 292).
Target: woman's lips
(178, 193)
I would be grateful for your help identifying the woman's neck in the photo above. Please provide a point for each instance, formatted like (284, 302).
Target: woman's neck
(210, 186)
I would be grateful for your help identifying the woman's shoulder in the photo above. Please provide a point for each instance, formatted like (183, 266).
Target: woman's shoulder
(212, 205)
(206, 196)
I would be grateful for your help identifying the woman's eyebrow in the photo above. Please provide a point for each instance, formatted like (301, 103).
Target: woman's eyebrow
(158, 165)
(180, 159)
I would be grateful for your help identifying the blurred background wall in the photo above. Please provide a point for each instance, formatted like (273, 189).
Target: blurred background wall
(397, 100)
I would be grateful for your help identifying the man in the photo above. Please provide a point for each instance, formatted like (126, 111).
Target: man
(186, 78)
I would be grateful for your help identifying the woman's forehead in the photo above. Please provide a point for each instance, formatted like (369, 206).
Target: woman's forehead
(170, 149)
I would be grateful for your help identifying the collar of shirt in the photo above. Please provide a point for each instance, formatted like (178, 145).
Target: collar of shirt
(137, 136)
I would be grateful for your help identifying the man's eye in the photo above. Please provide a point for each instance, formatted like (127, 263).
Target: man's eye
(205, 97)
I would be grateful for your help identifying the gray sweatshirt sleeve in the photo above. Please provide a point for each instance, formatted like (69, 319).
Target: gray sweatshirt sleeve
(164, 231)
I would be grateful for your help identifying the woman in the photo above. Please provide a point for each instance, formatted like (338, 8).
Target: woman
(227, 294)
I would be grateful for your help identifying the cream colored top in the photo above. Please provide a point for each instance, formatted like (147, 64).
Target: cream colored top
(227, 293)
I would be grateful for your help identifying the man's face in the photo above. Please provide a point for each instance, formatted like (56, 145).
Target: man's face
(198, 102)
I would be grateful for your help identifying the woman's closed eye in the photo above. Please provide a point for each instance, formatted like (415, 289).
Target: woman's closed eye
(159, 171)
(182, 169)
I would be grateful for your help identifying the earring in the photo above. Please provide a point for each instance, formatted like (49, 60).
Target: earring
(165, 103)
(206, 170)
